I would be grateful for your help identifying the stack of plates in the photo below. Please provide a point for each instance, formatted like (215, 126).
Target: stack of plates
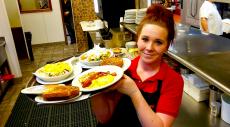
(140, 15)
(130, 16)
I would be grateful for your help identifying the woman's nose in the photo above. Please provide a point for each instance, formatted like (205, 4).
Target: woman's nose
(150, 46)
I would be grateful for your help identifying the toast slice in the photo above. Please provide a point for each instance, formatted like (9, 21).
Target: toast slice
(58, 92)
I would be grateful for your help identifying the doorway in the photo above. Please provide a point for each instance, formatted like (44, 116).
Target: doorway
(68, 21)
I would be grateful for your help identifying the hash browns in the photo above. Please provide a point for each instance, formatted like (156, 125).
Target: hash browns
(112, 61)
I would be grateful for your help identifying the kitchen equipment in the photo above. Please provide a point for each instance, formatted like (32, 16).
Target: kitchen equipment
(215, 108)
(225, 108)
(190, 12)
(198, 91)
(4, 68)
(215, 95)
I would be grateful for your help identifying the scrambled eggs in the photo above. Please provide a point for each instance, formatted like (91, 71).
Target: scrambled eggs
(101, 81)
(55, 69)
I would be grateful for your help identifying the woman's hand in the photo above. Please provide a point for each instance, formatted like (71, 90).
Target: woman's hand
(126, 86)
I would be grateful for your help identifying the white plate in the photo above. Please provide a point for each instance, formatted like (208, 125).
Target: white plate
(126, 64)
(35, 89)
(98, 52)
(54, 78)
(76, 71)
(105, 68)
(40, 99)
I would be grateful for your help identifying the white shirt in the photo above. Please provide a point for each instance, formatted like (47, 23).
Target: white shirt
(208, 10)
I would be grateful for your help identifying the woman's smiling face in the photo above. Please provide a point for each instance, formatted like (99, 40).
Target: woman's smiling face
(152, 43)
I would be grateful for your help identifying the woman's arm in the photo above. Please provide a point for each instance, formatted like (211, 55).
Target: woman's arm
(147, 117)
(103, 105)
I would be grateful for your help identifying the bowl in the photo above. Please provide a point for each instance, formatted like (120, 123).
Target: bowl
(131, 44)
(95, 56)
(41, 74)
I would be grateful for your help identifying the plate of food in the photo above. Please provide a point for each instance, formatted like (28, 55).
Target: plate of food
(118, 51)
(77, 69)
(38, 89)
(124, 63)
(54, 72)
(58, 94)
(93, 57)
(98, 78)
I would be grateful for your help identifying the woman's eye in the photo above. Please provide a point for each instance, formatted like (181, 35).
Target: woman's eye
(145, 39)
(158, 42)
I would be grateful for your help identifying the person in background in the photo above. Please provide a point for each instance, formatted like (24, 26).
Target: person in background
(68, 19)
(210, 19)
(150, 92)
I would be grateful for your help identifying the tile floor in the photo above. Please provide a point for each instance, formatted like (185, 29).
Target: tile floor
(42, 54)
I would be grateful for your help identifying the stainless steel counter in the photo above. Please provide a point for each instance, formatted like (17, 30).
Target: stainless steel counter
(194, 114)
(207, 55)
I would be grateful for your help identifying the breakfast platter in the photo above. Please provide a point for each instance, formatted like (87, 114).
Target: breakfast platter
(83, 76)
(93, 57)
(77, 69)
(125, 66)
(54, 71)
(97, 79)
(100, 82)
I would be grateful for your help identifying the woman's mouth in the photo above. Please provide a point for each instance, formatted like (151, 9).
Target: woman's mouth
(148, 54)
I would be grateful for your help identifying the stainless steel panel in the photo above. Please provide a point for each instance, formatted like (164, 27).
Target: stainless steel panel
(190, 12)
(198, 44)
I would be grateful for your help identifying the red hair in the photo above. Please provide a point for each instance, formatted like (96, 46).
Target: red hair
(158, 15)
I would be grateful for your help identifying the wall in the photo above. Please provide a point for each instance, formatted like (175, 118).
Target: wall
(5, 31)
(29, 4)
(13, 13)
(83, 10)
(46, 27)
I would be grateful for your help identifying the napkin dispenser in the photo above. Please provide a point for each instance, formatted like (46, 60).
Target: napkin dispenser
(225, 108)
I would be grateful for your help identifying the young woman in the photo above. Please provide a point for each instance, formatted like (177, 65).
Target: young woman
(150, 93)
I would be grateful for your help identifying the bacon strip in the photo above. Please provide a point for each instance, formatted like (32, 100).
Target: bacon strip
(87, 79)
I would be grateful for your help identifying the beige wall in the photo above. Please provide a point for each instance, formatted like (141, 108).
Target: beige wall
(46, 27)
(13, 13)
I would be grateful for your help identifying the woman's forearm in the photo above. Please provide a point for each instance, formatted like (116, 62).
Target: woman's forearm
(147, 117)
(103, 105)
